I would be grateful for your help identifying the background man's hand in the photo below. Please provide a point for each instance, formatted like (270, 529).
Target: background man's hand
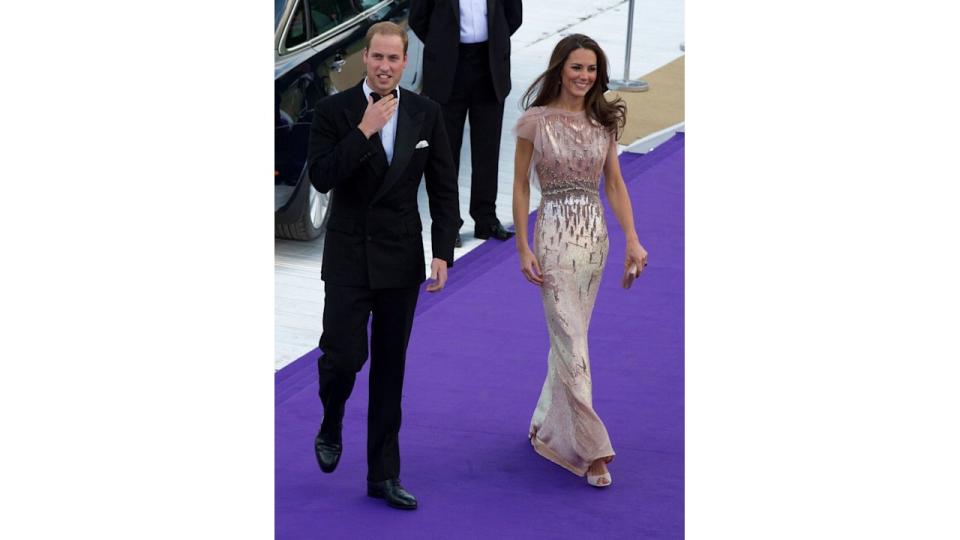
(438, 273)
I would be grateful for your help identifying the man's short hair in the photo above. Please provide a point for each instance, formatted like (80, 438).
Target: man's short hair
(386, 28)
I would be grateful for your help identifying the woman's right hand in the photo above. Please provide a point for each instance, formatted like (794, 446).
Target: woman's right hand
(530, 267)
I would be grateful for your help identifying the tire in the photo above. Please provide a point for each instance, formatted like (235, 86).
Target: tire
(311, 212)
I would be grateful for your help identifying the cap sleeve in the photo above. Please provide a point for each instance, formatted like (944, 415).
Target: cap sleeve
(526, 127)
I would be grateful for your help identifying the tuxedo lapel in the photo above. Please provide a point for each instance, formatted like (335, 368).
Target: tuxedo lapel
(408, 127)
(456, 10)
(358, 104)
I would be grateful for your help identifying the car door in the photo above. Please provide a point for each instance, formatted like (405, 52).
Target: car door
(296, 89)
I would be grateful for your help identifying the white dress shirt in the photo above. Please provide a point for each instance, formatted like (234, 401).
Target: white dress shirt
(389, 130)
(473, 21)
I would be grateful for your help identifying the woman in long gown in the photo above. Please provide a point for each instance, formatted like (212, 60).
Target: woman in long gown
(568, 133)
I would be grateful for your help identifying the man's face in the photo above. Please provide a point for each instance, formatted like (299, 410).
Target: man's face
(385, 62)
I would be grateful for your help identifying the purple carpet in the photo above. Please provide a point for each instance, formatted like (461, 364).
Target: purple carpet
(475, 366)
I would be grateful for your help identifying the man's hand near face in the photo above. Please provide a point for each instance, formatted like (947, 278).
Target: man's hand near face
(377, 115)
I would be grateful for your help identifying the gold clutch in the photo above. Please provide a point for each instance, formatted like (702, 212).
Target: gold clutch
(629, 275)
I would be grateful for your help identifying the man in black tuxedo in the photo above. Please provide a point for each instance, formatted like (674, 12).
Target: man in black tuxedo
(371, 144)
(466, 68)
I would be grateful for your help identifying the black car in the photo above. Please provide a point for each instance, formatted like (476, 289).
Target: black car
(317, 51)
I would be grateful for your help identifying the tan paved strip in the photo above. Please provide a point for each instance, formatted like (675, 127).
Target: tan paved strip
(658, 108)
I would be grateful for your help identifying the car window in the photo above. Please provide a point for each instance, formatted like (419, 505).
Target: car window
(297, 30)
(325, 14)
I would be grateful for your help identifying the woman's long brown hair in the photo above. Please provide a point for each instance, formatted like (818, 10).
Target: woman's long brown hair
(546, 88)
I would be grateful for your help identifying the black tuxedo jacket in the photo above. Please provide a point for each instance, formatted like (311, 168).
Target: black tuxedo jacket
(373, 237)
(437, 24)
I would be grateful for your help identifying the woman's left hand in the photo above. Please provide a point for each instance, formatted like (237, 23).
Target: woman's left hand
(635, 255)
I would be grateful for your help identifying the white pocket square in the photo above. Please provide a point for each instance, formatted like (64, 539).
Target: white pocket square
(421, 144)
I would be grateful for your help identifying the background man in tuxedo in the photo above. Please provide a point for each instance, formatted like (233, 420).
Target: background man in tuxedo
(466, 68)
(372, 143)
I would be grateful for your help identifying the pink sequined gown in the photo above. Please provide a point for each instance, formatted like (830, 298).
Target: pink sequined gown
(571, 245)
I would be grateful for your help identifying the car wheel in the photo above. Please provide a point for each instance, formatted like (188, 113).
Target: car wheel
(314, 211)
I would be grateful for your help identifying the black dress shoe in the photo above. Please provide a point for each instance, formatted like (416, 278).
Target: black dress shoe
(328, 448)
(496, 231)
(458, 242)
(393, 492)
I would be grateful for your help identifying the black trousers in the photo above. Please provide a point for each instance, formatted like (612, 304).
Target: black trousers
(346, 312)
(473, 94)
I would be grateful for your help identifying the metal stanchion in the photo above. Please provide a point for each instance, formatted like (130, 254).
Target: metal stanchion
(625, 84)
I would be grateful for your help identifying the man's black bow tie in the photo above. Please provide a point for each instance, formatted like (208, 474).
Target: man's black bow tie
(377, 97)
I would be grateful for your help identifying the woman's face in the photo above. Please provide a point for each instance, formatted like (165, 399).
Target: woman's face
(579, 73)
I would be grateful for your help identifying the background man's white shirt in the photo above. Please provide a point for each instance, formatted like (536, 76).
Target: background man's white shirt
(473, 21)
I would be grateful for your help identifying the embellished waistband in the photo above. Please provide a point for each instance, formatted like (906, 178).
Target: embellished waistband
(568, 189)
